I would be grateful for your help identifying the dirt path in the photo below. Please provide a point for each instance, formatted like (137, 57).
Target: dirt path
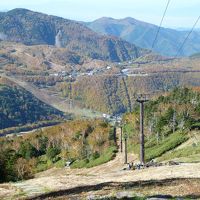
(111, 172)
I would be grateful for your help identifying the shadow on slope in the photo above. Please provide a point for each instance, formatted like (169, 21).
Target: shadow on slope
(109, 186)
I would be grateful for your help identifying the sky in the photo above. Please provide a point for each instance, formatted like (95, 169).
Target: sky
(180, 14)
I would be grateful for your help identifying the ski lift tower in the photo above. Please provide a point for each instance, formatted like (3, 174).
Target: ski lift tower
(141, 99)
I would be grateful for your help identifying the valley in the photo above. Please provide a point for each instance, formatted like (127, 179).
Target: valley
(81, 86)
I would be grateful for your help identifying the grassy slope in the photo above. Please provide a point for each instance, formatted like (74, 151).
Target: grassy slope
(170, 143)
(154, 150)
(188, 152)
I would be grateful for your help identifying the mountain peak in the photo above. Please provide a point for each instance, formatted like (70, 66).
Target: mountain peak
(129, 19)
(104, 19)
(18, 11)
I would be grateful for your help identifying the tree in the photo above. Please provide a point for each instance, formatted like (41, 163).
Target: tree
(2, 168)
(52, 152)
(27, 150)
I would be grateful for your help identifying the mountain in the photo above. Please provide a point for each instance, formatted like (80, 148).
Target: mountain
(116, 95)
(19, 107)
(32, 28)
(143, 34)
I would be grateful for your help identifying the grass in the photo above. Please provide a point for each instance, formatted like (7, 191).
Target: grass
(171, 142)
(190, 153)
(20, 193)
(190, 159)
(44, 164)
(60, 164)
(108, 155)
(154, 150)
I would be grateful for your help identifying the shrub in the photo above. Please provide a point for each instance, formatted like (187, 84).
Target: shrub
(107, 155)
(52, 153)
(28, 151)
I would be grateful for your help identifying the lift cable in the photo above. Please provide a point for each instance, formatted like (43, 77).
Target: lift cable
(156, 37)
(181, 47)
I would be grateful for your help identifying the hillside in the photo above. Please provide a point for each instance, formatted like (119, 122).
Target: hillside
(53, 77)
(19, 107)
(43, 59)
(116, 94)
(86, 143)
(172, 123)
(143, 34)
(32, 28)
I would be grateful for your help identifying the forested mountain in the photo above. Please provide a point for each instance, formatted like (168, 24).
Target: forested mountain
(112, 94)
(32, 28)
(19, 107)
(143, 35)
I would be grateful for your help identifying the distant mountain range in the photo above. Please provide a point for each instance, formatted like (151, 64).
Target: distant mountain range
(32, 28)
(104, 39)
(143, 34)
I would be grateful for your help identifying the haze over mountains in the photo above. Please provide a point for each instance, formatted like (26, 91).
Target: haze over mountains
(143, 34)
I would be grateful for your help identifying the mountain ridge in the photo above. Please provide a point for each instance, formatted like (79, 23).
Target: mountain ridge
(143, 34)
(33, 28)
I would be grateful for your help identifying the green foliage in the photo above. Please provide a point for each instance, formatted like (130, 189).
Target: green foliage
(43, 141)
(3, 171)
(19, 107)
(85, 140)
(7, 162)
(180, 153)
(195, 125)
(60, 164)
(27, 150)
(52, 152)
(171, 142)
(179, 107)
(168, 119)
(43, 163)
(108, 155)
(95, 155)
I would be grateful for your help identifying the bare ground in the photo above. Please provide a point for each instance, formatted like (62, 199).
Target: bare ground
(109, 178)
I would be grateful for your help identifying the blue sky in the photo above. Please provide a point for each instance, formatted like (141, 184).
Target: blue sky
(181, 13)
